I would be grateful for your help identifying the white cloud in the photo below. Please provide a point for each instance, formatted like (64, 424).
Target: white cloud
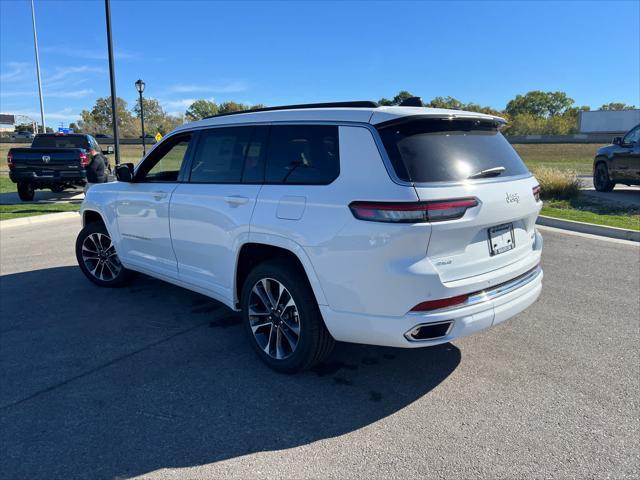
(182, 103)
(62, 73)
(86, 53)
(17, 71)
(61, 94)
(230, 87)
(64, 115)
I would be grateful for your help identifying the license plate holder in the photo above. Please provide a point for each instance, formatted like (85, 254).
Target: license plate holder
(501, 239)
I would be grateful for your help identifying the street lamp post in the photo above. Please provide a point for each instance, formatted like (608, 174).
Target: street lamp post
(140, 88)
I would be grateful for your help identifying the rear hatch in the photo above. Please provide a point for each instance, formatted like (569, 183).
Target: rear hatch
(453, 159)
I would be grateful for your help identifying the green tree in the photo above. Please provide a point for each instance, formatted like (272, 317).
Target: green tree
(74, 126)
(99, 120)
(539, 104)
(228, 107)
(155, 118)
(397, 100)
(201, 109)
(446, 102)
(617, 106)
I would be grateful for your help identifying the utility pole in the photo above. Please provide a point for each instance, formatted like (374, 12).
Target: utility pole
(112, 76)
(35, 44)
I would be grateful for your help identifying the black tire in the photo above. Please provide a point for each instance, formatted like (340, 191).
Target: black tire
(601, 180)
(57, 188)
(105, 270)
(26, 192)
(314, 342)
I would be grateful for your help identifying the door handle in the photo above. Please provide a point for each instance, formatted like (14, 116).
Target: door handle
(236, 200)
(159, 195)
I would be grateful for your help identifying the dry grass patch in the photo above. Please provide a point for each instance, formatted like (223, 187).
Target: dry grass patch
(557, 184)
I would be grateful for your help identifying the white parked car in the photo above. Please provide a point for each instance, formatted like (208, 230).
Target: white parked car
(399, 226)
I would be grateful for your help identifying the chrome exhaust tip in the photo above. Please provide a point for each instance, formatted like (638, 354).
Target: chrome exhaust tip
(429, 331)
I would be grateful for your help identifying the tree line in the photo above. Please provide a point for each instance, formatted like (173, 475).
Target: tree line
(536, 112)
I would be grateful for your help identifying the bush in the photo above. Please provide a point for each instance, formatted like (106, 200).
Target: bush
(557, 184)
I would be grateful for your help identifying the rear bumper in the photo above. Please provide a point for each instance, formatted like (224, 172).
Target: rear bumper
(508, 300)
(75, 177)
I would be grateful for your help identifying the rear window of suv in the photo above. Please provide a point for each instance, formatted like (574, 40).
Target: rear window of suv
(442, 150)
(60, 141)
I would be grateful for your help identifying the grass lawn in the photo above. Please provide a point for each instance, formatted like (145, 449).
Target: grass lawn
(577, 157)
(582, 209)
(16, 210)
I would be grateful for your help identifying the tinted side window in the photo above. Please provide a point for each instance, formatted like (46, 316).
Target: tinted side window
(220, 155)
(632, 137)
(254, 160)
(303, 154)
(165, 162)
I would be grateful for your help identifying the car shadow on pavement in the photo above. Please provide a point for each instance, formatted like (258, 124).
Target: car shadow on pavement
(122, 382)
(43, 196)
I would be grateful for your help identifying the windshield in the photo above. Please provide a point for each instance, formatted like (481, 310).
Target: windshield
(60, 141)
(442, 150)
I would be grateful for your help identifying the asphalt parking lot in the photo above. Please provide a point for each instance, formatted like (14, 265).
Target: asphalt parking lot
(154, 381)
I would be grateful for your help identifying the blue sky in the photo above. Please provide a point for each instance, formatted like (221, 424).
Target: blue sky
(295, 52)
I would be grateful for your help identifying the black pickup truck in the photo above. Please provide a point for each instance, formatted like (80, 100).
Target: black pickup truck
(57, 161)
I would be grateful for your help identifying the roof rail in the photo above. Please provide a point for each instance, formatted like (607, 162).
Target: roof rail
(356, 104)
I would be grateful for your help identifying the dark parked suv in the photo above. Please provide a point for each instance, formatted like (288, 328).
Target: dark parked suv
(618, 162)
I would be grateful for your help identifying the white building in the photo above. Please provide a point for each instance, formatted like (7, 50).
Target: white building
(608, 121)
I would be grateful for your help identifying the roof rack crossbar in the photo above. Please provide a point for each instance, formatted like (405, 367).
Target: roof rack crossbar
(355, 104)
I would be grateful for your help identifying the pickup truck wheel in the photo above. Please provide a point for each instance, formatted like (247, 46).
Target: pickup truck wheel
(57, 188)
(98, 259)
(26, 192)
(601, 180)
(282, 318)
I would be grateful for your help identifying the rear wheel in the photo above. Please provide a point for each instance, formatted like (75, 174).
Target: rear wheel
(98, 259)
(601, 180)
(282, 318)
(26, 192)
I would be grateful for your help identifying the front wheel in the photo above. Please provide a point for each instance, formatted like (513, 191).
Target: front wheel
(282, 318)
(98, 259)
(601, 180)
(26, 192)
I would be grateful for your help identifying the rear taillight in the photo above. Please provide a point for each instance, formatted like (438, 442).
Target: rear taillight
(536, 192)
(440, 303)
(412, 212)
(84, 159)
(10, 161)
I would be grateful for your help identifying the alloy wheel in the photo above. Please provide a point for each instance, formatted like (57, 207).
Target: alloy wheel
(100, 258)
(273, 318)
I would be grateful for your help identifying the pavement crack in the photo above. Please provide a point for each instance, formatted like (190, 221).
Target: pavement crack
(101, 367)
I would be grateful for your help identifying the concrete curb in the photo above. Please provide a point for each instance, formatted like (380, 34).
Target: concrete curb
(591, 228)
(36, 219)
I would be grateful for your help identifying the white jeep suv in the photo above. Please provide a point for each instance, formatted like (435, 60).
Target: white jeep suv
(398, 226)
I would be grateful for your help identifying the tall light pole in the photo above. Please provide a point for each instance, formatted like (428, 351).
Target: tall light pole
(35, 44)
(140, 88)
(112, 77)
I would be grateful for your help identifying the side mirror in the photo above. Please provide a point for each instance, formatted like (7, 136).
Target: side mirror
(617, 140)
(124, 172)
(109, 150)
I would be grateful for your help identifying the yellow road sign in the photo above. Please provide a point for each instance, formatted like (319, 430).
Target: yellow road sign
(158, 137)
